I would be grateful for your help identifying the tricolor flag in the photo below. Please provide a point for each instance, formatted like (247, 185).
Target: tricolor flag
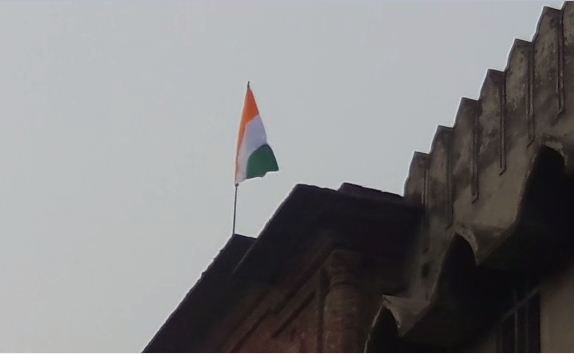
(254, 156)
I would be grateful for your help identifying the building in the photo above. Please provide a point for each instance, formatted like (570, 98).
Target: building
(476, 256)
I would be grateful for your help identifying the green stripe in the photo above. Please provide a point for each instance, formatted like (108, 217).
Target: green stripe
(260, 162)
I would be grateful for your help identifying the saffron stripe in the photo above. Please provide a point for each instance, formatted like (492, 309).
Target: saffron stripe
(250, 111)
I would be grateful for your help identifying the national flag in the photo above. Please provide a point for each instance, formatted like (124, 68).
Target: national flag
(254, 155)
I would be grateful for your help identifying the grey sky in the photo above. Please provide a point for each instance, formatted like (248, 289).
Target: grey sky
(118, 122)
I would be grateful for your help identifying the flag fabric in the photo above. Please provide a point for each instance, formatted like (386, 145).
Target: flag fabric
(254, 155)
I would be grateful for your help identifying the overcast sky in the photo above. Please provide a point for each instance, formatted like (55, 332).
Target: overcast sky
(118, 124)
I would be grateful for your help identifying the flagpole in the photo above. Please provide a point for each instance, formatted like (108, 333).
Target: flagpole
(235, 208)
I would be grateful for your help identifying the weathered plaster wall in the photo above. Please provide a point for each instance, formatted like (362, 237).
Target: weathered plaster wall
(557, 312)
(475, 178)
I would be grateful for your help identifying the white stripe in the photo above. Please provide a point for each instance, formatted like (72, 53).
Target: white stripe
(253, 137)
